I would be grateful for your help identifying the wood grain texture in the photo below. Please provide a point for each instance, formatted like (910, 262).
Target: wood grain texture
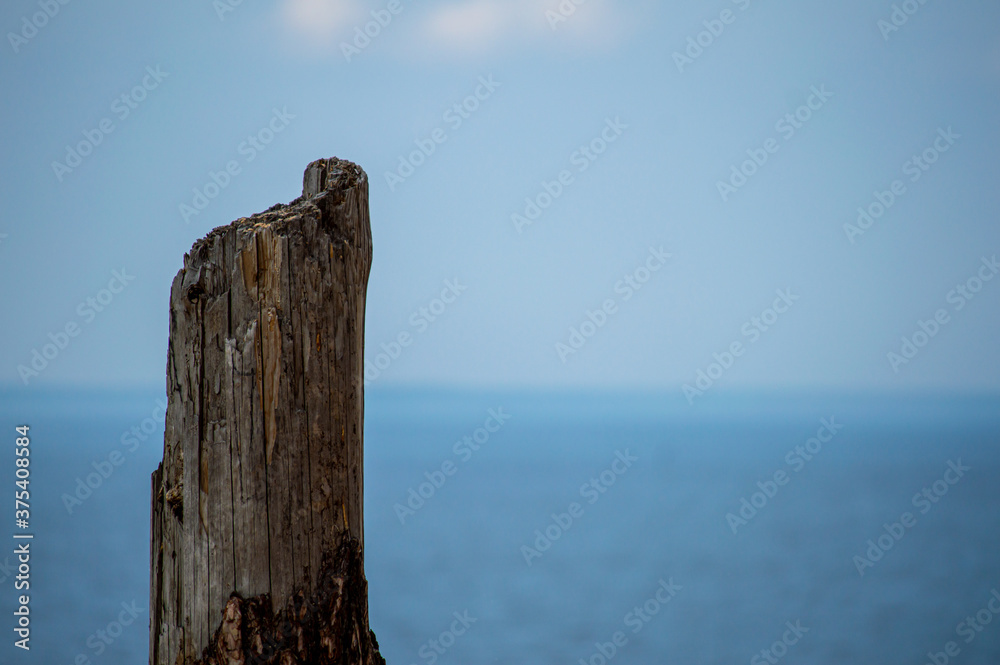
(257, 505)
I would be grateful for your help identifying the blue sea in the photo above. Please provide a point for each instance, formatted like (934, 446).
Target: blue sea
(505, 527)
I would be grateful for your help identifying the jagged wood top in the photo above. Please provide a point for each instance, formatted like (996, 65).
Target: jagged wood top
(326, 184)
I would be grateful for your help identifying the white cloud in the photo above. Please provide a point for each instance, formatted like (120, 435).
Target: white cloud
(468, 27)
(321, 20)
(479, 25)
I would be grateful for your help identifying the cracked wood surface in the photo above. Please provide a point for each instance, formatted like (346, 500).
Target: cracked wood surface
(261, 479)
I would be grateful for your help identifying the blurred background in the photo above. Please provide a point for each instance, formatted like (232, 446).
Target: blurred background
(749, 247)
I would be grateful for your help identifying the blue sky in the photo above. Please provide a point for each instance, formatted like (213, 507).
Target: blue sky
(621, 143)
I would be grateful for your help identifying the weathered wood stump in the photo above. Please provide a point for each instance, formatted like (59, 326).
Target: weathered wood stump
(257, 534)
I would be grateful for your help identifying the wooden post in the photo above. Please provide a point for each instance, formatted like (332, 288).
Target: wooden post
(257, 532)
